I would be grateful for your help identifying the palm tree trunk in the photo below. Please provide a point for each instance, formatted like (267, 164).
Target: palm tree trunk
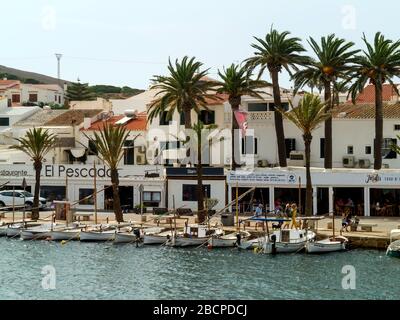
(309, 191)
(38, 169)
(200, 195)
(378, 127)
(235, 102)
(117, 202)
(280, 133)
(188, 125)
(328, 127)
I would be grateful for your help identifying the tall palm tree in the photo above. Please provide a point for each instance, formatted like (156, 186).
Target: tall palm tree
(333, 62)
(278, 51)
(309, 114)
(36, 144)
(110, 144)
(199, 130)
(237, 82)
(379, 64)
(186, 88)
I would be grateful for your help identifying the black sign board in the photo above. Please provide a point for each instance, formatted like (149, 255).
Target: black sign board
(207, 171)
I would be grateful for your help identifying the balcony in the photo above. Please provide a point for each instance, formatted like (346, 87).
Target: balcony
(253, 117)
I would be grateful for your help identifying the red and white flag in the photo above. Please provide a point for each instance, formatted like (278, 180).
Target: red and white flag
(241, 118)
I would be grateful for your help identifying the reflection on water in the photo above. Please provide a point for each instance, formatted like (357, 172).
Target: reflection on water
(106, 271)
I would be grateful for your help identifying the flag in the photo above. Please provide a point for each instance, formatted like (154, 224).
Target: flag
(241, 118)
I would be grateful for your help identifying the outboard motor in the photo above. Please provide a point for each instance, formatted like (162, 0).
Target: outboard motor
(273, 239)
(238, 239)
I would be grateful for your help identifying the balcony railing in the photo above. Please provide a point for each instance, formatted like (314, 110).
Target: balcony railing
(252, 116)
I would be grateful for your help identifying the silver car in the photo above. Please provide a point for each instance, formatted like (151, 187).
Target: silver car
(20, 198)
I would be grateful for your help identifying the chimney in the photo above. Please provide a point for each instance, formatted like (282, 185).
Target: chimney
(87, 122)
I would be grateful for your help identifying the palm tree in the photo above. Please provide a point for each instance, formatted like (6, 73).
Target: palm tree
(277, 51)
(237, 82)
(333, 63)
(309, 114)
(36, 144)
(380, 63)
(110, 144)
(199, 129)
(185, 89)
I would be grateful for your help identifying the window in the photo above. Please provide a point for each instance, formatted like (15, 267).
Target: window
(257, 107)
(129, 153)
(59, 99)
(92, 149)
(151, 199)
(249, 145)
(397, 127)
(322, 148)
(52, 193)
(55, 98)
(16, 98)
(207, 117)
(290, 145)
(285, 106)
(387, 152)
(189, 192)
(163, 119)
(368, 150)
(350, 150)
(33, 97)
(86, 197)
(4, 122)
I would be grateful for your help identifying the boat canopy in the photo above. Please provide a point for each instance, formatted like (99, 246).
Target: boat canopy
(269, 219)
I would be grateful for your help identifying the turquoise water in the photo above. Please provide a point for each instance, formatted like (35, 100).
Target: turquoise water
(106, 271)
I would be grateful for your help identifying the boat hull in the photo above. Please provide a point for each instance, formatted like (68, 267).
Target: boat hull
(324, 247)
(90, 236)
(35, 235)
(154, 239)
(3, 231)
(181, 242)
(125, 238)
(65, 235)
(282, 247)
(13, 232)
(393, 253)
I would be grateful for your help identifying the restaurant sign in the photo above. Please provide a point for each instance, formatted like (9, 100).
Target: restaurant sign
(263, 177)
(384, 179)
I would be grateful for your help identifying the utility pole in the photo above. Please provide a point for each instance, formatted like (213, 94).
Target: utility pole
(59, 56)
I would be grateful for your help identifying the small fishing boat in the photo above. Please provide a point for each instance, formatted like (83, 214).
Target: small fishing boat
(253, 243)
(102, 234)
(128, 235)
(3, 230)
(41, 232)
(157, 238)
(288, 241)
(14, 230)
(394, 248)
(327, 245)
(194, 235)
(229, 240)
(65, 234)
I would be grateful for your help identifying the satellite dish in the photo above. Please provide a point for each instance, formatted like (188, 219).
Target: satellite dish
(78, 153)
(131, 113)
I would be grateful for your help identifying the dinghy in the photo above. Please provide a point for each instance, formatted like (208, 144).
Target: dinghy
(97, 235)
(128, 235)
(157, 238)
(394, 248)
(14, 230)
(327, 245)
(66, 234)
(229, 240)
(41, 232)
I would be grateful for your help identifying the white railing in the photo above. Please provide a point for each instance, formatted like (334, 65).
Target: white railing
(252, 116)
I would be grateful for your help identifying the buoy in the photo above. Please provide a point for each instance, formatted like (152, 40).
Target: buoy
(209, 247)
(63, 242)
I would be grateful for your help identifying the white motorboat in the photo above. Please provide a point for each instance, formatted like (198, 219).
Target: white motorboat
(253, 243)
(394, 248)
(327, 245)
(288, 240)
(194, 235)
(229, 240)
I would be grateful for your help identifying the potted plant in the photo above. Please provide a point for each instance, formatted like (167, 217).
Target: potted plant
(138, 208)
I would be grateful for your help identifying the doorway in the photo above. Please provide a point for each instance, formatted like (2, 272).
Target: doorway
(125, 195)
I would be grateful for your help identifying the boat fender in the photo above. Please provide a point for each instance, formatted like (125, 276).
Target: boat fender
(273, 239)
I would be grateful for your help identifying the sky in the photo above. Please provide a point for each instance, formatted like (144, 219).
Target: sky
(127, 42)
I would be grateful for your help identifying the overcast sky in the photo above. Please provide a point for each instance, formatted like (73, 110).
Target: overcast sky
(125, 42)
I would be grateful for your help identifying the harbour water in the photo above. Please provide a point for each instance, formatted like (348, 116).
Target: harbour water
(107, 271)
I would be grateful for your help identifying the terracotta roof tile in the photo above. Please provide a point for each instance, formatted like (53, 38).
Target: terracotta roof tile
(67, 118)
(368, 94)
(366, 111)
(138, 124)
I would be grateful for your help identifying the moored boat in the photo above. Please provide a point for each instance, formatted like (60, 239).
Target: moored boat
(194, 235)
(394, 248)
(97, 235)
(327, 245)
(229, 240)
(288, 241)
(157, 238)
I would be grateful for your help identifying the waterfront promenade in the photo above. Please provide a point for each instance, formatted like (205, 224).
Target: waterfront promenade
(378, 238)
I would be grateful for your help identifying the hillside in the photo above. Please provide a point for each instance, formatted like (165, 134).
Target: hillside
(26, 76)
(104, 91)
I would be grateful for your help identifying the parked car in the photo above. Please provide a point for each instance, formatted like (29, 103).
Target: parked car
(6, 199)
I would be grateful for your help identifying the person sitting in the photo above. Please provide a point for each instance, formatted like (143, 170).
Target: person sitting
(346, 222)
(259, 210)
